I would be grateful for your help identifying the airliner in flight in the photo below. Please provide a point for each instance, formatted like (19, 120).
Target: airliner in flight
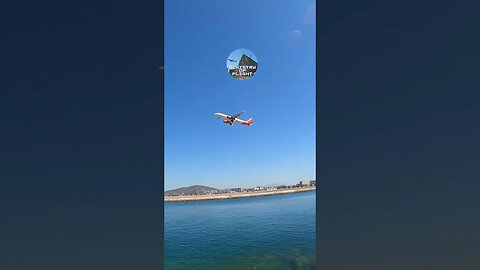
(231, 120)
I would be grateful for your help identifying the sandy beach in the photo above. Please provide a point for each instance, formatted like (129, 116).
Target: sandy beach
(236, 195)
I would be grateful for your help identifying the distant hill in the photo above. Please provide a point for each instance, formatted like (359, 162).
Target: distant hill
(197, 189)
(274, 185)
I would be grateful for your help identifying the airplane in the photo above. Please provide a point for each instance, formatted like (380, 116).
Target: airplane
(231, 120)
(231, 60)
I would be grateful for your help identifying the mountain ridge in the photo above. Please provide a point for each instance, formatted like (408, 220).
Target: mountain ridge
(191, 190)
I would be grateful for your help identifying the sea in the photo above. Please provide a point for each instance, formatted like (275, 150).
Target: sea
(272, 232)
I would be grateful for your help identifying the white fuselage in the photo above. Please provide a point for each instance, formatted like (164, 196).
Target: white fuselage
(230, 120)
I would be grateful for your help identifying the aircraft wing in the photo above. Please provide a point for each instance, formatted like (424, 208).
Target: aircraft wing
(221, 115)
(237, 115)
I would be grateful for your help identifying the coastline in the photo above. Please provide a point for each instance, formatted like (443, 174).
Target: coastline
(237, 195)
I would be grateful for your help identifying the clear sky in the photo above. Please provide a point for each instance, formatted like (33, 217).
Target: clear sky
(280, 146)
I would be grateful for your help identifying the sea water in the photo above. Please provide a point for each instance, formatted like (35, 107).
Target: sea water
(274, 232)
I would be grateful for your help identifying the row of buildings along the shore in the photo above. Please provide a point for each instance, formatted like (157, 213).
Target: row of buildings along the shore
(300, 184)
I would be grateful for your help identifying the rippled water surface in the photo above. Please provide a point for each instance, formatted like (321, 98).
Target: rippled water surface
(275, 232)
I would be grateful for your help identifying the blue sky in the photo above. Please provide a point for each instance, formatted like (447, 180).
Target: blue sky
(280, 146)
